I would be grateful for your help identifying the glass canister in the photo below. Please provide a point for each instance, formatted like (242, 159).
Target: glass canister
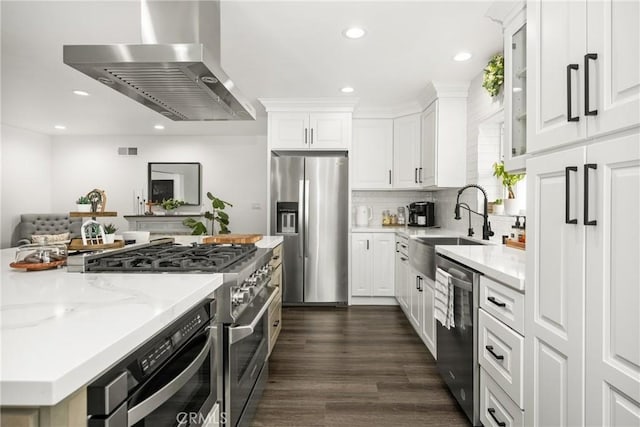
(401, 219)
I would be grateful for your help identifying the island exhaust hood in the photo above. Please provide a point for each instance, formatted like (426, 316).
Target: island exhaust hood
(176, 70)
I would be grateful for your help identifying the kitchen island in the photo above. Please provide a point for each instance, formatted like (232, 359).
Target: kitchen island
(60, 330)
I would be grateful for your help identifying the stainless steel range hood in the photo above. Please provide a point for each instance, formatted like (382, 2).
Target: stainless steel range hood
(176, 70)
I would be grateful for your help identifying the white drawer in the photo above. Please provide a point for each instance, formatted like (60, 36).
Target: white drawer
(495, 406)
(505, 303)
(500, 353)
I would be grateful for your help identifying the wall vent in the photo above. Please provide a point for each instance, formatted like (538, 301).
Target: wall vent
(128, 151)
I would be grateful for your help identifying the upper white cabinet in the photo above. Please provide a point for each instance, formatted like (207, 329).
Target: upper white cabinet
(309, 124)
(582, 347)
(514, 147)
(583, 70)
(309, 131)
(372, 149)
(406, 152)
(444, 137)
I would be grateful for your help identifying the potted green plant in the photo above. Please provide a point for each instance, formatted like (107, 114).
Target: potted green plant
(508, 181)
(498, 207)
(170, 205)
(110, 233)
(493, 76)
(83, 204)
(222, 218)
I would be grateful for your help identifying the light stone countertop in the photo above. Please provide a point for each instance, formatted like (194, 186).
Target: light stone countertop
(504, 264)
(268, 242)
(60, 330)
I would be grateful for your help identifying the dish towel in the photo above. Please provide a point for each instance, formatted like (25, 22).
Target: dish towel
(443, 310)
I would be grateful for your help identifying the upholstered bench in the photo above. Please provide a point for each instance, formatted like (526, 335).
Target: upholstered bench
(45, 223)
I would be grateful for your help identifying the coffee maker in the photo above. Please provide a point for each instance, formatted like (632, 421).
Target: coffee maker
(422, 214)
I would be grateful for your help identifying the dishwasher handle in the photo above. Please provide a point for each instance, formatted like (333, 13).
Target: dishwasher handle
(457, 282)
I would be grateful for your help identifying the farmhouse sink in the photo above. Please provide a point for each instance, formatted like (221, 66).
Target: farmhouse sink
(422, 251)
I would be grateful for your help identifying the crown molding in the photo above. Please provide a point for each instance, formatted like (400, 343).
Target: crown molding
(346, 105)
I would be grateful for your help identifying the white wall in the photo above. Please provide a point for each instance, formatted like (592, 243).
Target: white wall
(26, 177)
(233, 168)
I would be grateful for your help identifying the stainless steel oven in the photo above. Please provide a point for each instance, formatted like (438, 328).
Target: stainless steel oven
(169, 381)
(245, 366)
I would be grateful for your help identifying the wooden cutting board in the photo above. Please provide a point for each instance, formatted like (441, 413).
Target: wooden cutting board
(232, 238)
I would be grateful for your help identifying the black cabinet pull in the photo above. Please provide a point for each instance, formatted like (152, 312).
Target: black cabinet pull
(567, 195)
(420, 175)
(570, 117)
(490, 350)
(403, 258)
(496, 302)
(305, 135)
(397, 250)
(312, 135)
(418, 282)
(492, 412)
(367, 244)
(415, 175)
(586, 193)
(587, 57)
(276, 323)
(389, 176)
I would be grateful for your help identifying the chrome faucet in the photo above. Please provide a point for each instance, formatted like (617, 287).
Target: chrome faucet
(486, 225)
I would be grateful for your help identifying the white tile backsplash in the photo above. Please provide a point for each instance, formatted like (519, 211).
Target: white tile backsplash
(380, 201)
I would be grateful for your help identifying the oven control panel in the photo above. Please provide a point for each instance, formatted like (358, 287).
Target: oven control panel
(244, 293)
(163, 349)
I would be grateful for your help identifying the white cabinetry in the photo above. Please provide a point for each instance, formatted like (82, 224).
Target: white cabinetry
(583, 70)
(582, 257)
(415, 300)
(406, 151)
(372, 158)
(309, 131)
(402, 273)
(428, 329)
(444, 138)
(372, 264)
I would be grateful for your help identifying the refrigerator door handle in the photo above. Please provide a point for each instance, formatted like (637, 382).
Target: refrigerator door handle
(301, 234)
(306, 218)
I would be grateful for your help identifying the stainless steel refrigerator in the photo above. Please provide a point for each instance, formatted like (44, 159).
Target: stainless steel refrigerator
(309, 198)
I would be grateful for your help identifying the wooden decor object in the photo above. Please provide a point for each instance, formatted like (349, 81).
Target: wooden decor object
(77, 245)
(98, 200)
(515, 244)
(232, 238)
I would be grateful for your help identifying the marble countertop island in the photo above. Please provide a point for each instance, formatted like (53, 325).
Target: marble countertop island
(60, 330)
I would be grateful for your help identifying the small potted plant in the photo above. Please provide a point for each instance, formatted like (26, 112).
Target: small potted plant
(170, 205)
(110, 233)
(83, 204)
(222, 218)
(508, 181)
(498, 207)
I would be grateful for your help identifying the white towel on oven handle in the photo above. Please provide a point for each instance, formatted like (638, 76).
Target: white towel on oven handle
(443, 310)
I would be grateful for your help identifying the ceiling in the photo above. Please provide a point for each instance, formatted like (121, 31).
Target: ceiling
(271, 49)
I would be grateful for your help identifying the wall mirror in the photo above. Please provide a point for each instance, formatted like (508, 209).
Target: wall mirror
(180, 181)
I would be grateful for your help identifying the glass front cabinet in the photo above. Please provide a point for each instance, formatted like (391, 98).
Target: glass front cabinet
(515, 90)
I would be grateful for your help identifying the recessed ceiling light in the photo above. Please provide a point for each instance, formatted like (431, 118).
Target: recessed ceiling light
(159, 127)
(346, 89)
(81, 93)
(354, 33)
(60, 127)
(462, 56)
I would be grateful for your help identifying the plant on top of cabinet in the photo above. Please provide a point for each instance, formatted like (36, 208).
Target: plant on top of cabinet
(493, 77)
(222, 218)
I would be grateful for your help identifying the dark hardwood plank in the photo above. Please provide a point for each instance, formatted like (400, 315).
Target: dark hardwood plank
(356, 366)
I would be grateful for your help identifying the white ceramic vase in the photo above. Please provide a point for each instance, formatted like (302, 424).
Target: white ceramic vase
(511, 206)
(498, 209)
(83, 208)
(109, 238)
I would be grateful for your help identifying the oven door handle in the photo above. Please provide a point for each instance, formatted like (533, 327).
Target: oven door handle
(238, 333)
(161, 396)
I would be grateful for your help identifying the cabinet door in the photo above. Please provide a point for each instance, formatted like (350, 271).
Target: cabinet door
(383, 264)
(289, 130)
(361, 264)
(406, 151)
(427, 174)
(372, 153)
(428, 319)
(415, 301)
(330, 131)
(403, 282)
(554, 303)
(613, 293)
(613, 34)
(556, 37)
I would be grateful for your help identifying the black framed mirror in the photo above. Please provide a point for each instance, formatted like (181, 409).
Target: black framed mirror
(169, 180)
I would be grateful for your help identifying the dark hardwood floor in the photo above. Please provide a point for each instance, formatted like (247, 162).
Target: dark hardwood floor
(356, 366)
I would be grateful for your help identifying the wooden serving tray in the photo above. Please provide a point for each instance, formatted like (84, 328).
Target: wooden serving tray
(516, 245)
(35, 266)
(232, 238)
(76, 245)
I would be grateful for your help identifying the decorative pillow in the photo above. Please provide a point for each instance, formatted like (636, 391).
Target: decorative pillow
(49, 238)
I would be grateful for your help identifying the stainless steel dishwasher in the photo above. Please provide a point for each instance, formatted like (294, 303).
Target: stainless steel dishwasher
(458, 346)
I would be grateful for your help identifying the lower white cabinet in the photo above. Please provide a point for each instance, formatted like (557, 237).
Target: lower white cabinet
(415, 300)
(372, 264)
(428, 330)
(402, 274)
(496, 408)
